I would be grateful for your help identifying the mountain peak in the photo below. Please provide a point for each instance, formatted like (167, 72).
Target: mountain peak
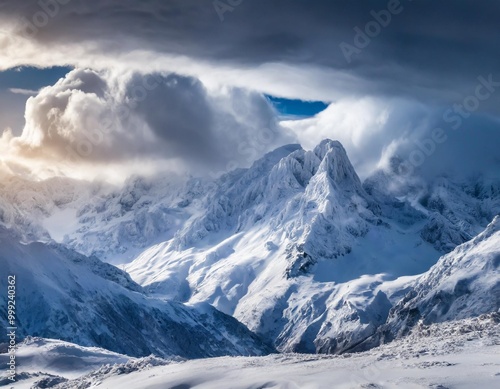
(327, 145)
(336, 163)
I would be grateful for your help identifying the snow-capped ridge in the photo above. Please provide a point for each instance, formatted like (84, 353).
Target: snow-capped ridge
(491, 229)
(463, 283)
(294, 246)
(68, 296)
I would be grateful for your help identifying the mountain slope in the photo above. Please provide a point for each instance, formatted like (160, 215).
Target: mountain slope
(464, 283)
(455, 210)
(65, 295)
(96, 218)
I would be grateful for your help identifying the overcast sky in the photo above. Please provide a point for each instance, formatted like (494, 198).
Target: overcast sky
(185, 84)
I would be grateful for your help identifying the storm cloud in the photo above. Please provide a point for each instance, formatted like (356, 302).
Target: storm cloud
(393, 71)
(421, 48)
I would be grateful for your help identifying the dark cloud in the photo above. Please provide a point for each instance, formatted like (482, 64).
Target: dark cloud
(178, 111)
(428, 49)
(416, 67)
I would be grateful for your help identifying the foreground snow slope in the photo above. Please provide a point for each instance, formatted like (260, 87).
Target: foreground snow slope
(462, 354)
(46, 363)
(37, 358)
(65, 295)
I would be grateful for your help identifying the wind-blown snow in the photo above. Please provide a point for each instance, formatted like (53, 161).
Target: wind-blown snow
(56, 357)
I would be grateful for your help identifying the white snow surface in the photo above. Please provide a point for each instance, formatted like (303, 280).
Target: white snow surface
(56, 357)
(463, 354)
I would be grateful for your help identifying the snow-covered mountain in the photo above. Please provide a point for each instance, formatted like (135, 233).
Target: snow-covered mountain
(118, 223)
(96, 218)
(295, 247)
(455, 209)
(65, 295)
(464, 283)
(303, 253)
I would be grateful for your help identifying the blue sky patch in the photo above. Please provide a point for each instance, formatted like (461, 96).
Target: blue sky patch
(31, 78)
(296, 109)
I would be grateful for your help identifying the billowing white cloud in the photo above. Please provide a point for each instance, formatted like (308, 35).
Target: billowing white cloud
(373, 130)
(101, 119)
(365, 127)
